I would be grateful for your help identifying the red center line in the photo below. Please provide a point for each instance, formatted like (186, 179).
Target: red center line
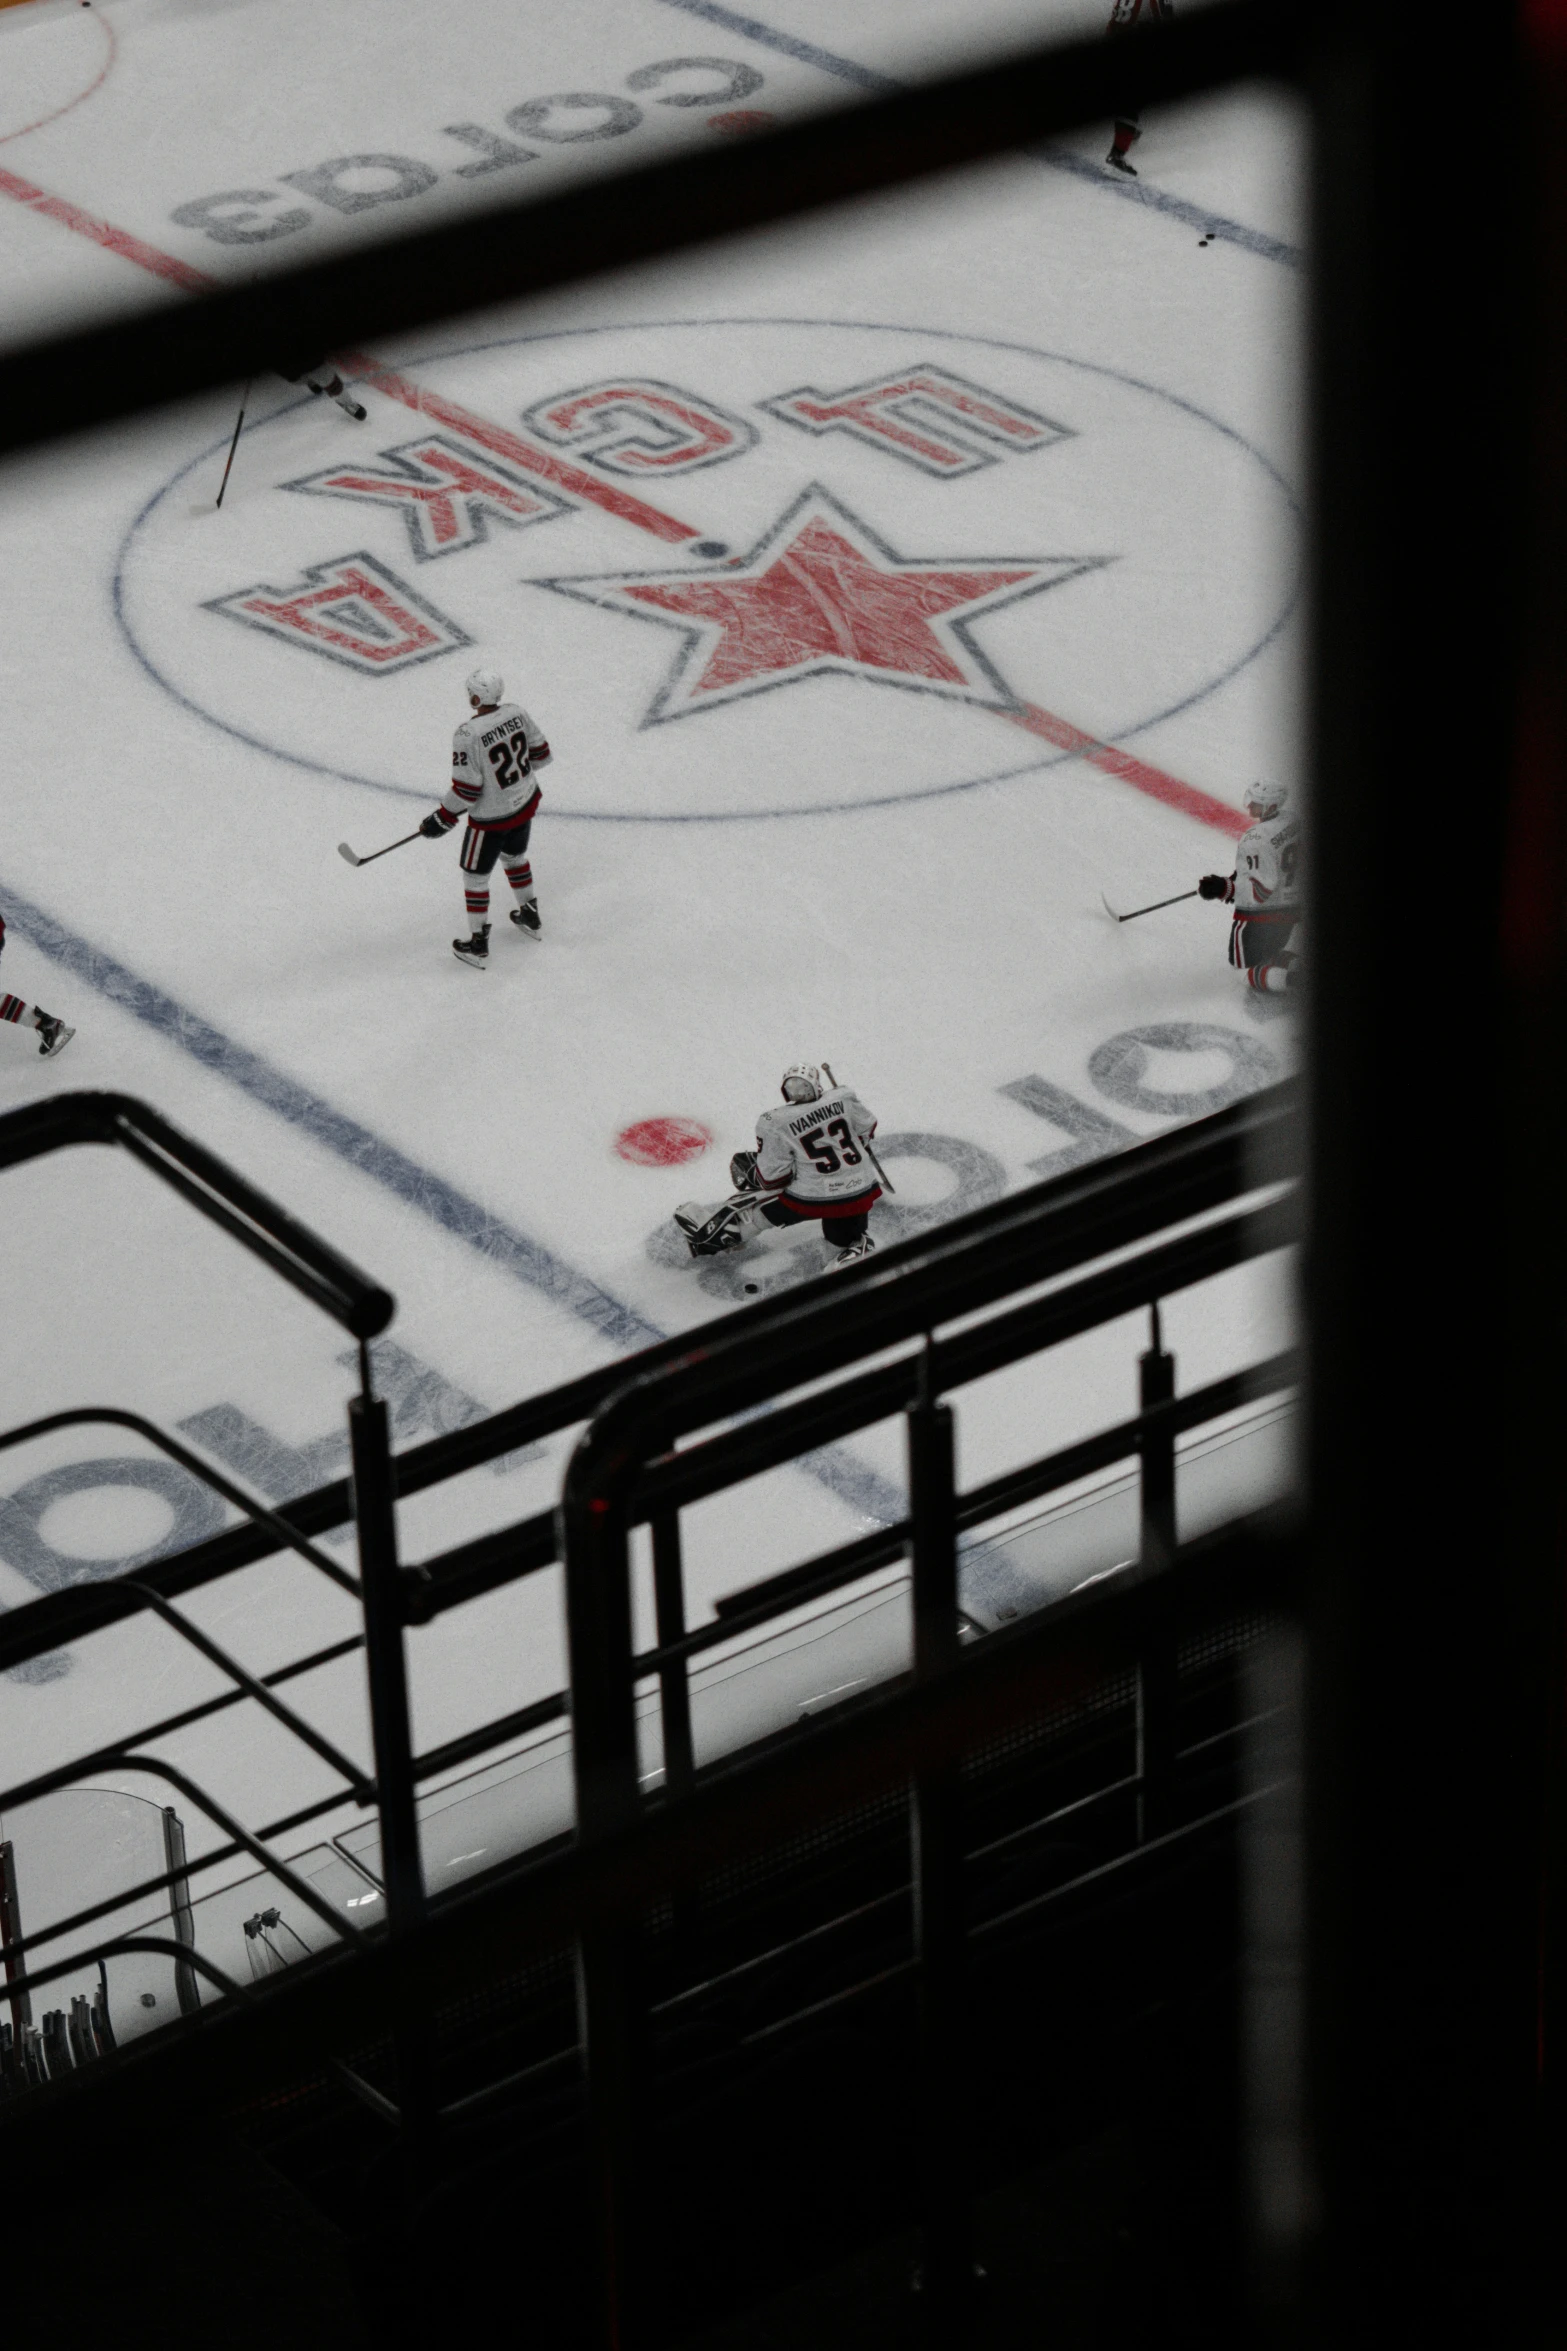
(103, 232)
(1156, 782)
(502, 442)
(1128, 769)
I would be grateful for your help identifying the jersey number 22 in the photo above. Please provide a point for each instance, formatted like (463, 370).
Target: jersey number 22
(509, 758)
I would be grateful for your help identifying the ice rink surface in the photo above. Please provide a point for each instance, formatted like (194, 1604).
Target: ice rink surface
(889, 586)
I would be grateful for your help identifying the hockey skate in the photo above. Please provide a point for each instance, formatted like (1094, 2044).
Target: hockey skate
(1124, 137)
(863, 1247)
(714, 1232)
(53, 1036)
(526, 918)
(336, 389)
(474, 952)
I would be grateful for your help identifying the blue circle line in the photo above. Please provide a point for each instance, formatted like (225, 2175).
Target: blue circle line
(747, 815)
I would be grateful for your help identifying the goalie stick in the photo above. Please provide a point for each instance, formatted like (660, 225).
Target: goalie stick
(344, 851)
(887, 1183)
(1137, 910)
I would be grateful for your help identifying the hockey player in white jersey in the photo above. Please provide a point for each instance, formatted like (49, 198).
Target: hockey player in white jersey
(812, 1159)
(1128, 124)
(322, 377)
(53, 1035)
(494, 757)
(1264, 890)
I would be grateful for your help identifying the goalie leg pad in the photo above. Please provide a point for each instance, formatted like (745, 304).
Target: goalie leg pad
(712, 1232)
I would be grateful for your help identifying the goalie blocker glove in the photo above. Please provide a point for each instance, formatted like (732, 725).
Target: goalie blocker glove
(742, 1172)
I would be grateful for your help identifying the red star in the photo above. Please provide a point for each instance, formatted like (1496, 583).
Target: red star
(821, 593)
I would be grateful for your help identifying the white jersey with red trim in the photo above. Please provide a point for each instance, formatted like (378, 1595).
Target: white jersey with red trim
(494, 755)
(811, 1150)
(1267, 866)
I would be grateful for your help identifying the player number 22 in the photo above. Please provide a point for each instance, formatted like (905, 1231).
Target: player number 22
(509, 758)
(824, 1158)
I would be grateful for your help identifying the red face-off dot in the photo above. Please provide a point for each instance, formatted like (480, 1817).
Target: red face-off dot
(740, 121)
(662, 1142)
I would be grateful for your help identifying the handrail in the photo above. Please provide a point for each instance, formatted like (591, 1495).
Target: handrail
(257, 1512)
(224, 1197)
(819, 1418)
(535, 1901)
(359, 1784)
(1260, 1123)
(943, 1276)
(758, 1604)
(688, 1382)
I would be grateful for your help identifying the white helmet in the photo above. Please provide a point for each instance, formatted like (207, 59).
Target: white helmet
(1264, 800)
(802, 1082)
(485, 685)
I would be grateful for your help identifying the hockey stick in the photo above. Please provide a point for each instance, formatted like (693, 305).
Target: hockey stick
(343, 850)
(887, 1183)
(234, 444)
(1180, 896)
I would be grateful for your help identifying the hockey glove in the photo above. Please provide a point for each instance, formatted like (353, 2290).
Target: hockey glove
(742, 1172)
(435, 824)
(1214, 885)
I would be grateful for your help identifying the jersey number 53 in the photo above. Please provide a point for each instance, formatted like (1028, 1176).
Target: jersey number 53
(824, 1158)
(509, 758)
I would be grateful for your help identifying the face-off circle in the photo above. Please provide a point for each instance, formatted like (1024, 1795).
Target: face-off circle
(738, 569)
(50, 75)
(663, 1142)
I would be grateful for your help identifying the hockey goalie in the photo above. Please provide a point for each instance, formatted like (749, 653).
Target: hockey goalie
(813, 1158)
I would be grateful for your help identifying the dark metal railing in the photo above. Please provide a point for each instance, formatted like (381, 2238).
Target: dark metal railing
(803, 1338)
(628, 1467)
(223, 1197)
(362, 1307)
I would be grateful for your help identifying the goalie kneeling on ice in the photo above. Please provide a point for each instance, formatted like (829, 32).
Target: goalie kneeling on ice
(812, 1160)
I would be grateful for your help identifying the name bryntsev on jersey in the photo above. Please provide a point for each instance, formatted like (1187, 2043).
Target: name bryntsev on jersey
(812, 1150)
(493, 759)
(1267, 866)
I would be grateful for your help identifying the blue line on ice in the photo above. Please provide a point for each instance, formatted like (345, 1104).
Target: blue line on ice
(1217, 225)
(732, 20)
(1213, 224)
(528, 1261)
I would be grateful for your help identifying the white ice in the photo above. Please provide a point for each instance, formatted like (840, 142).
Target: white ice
(902, 880)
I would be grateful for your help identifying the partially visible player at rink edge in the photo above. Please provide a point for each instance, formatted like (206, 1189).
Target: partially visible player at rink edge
(322, 378)
(810, 1161)
(1264, 890)
(1128, 126)
(494, 754)
(53, 1035)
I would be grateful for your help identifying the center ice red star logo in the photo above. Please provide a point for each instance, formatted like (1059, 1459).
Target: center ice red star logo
(821, 593)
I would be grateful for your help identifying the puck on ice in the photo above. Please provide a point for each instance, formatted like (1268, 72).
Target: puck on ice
(751, 1289)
